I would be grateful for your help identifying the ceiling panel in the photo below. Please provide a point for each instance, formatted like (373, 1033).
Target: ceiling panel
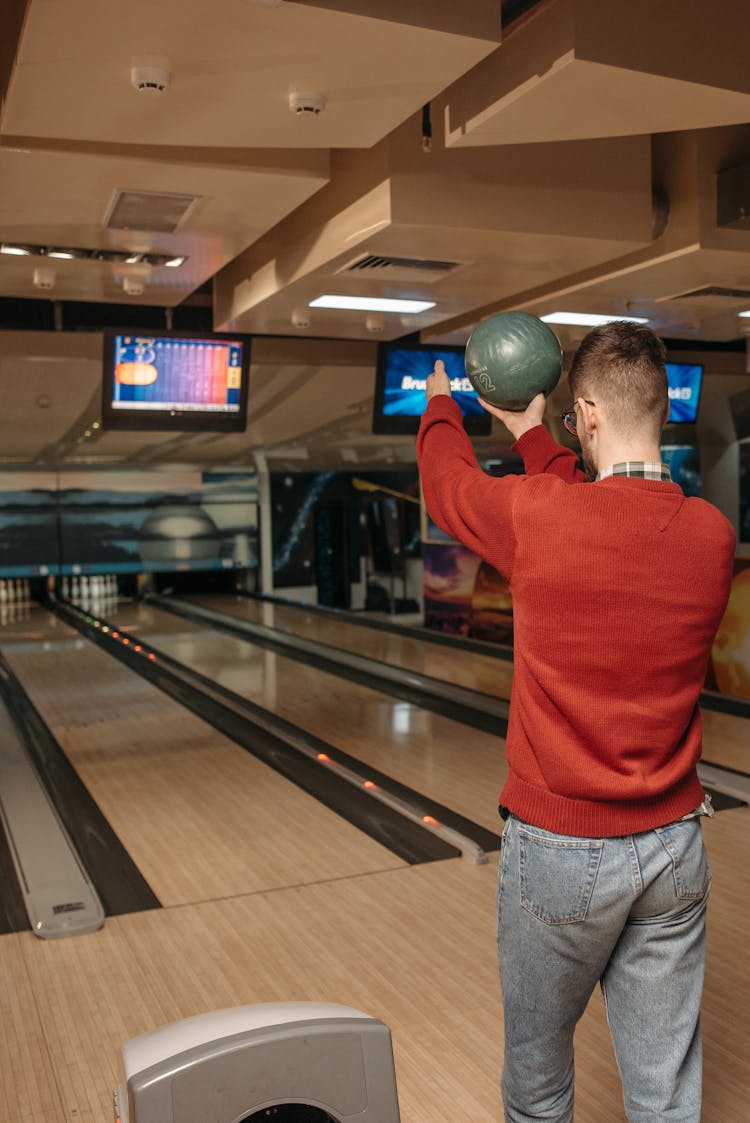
(594, 68)
(233, 65)
(61, 197)
(511, 219)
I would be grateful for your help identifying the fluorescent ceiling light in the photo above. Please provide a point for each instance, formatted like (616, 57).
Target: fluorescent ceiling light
(745, 315)
(15, 251)
(372, 304)
(174, 262)
(587, 319)
(63, 255)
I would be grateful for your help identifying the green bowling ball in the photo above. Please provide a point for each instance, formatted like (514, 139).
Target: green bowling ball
(512, 357)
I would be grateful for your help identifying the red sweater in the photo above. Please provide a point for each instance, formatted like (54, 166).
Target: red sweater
(618, 588)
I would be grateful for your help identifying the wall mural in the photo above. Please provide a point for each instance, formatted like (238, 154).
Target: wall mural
(127, 522)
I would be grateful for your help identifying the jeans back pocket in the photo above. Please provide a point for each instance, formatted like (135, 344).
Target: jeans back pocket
(557, 874)
(683, 842)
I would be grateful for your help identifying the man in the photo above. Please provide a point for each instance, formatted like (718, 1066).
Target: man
(619, 583)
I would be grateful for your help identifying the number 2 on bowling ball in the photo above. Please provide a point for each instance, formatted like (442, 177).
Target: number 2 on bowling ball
(485, 381)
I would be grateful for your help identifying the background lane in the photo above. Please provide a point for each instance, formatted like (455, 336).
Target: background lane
(726, 739)
(201, 818)
(467, 669)
(460, 767)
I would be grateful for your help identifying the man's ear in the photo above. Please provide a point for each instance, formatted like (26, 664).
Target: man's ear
(589, 415)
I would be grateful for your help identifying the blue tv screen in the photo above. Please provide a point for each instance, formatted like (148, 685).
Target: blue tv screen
(684, 381)
(400, 388)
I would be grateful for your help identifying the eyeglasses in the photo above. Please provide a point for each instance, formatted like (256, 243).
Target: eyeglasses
(569, 417)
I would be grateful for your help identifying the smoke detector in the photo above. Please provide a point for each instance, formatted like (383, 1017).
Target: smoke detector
(307, 104)
(301, 318)
(149, 79)
(44, 278)
(133, 286)
(375, 324)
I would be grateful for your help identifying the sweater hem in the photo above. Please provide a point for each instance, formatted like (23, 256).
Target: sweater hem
(599, 818)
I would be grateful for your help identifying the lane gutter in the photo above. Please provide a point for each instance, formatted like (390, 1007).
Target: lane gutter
(118, 882)
(413, 827)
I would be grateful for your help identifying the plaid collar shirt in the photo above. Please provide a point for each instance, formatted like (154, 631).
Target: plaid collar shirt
(642, 470)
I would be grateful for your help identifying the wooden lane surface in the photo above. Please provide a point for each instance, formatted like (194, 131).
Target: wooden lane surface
(460, 767)
(200, 817)
(28, 1087)
(726, 738)
(463, 668)
(414, 947)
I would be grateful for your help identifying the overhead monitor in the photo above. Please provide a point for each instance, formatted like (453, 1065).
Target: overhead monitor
(684, 381)
(400, 388)
(175, 381)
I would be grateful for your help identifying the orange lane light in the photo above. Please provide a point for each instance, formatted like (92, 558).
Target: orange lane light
(125, 640)
(430, 821)
(324, 758)
(137, 647)
(370, 785)
(115, 635)
(152, 656)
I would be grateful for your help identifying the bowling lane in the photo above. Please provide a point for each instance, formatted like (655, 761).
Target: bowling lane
(464, 668)
(459, 767)
(726, 739)
(201, 818)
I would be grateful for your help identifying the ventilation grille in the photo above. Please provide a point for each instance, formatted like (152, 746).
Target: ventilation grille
(710, 294)
(419, 269)
(148, 210)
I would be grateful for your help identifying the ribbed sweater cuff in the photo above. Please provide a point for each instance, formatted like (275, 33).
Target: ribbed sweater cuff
(601, 819)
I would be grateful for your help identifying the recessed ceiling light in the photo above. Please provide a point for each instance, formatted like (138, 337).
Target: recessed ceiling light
(15, 251)
(63, 255)
(372, 304)
(173, 262)
(587, 319)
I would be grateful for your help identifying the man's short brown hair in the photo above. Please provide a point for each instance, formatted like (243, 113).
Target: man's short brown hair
(620, 366)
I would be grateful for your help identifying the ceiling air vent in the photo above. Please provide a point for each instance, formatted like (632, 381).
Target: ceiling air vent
(709, 294)
(417, 269)
(148, 210)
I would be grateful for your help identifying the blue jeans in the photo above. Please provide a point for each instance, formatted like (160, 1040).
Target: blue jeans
(626, 912)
